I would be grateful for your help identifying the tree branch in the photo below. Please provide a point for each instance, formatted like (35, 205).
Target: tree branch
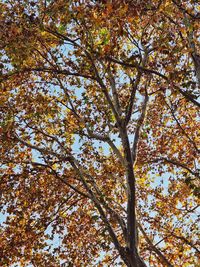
(178, 164)
(97, 204)
(138, 128)
(162, 258)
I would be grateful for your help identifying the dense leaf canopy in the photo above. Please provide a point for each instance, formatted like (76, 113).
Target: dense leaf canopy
(99, 128)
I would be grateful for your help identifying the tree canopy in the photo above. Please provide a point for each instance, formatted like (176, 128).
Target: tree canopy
(99, 128)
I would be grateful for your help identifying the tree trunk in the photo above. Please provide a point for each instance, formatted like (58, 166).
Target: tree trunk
(135, 260)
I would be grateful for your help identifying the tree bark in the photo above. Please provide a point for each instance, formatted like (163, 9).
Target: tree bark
(132, 257)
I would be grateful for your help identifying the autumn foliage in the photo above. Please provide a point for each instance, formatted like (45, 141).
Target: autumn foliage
(99, 130)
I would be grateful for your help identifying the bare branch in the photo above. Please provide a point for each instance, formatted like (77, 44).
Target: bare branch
(114, 90)
(138, 128)
(134, 89)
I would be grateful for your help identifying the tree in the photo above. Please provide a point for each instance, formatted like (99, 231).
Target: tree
(99, 133)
